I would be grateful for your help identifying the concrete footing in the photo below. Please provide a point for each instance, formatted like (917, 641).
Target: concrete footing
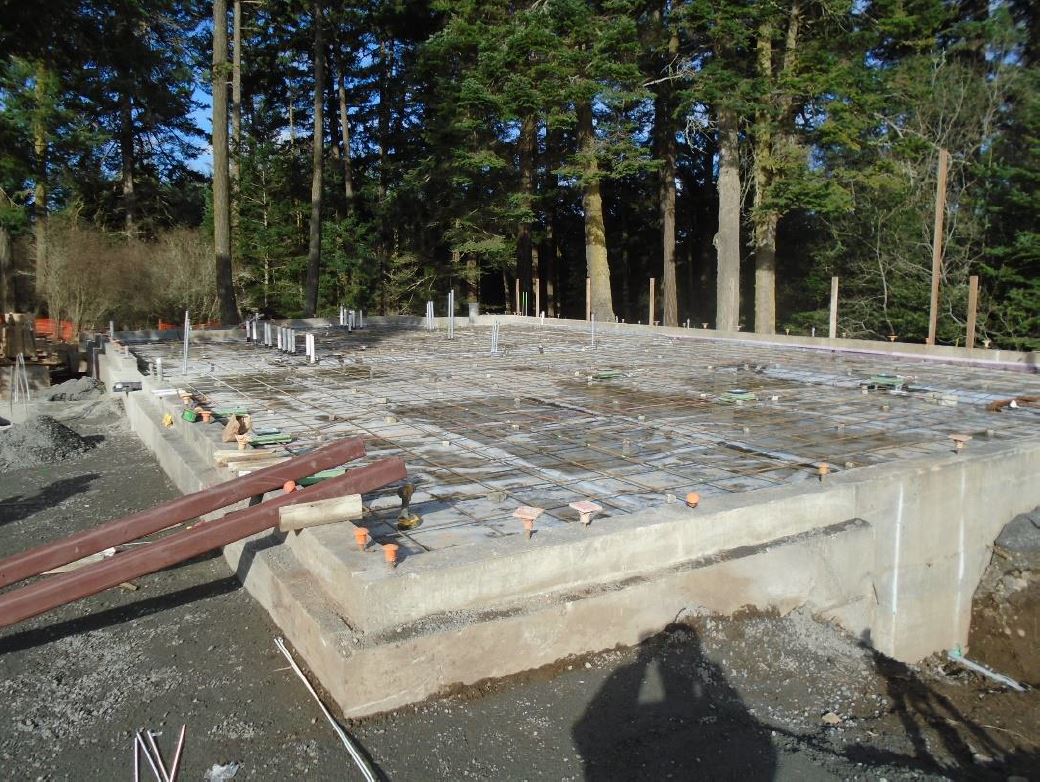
(891, 552)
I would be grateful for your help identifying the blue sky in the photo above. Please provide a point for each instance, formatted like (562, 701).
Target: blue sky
(201, 116)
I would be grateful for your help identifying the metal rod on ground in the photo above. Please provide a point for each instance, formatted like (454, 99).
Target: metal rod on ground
(356, 755)
(309, 347)
(122, 530)
(42, 596)
(593, 328)
(187, 336)
(536, 287)
(589, 303)
(971, 313)
(943, 159)
(157, 755)
(175, 764)
(651, 302)
(159, 369)
(834, 308)
(143, 748)
(517, 296)
(361, 319)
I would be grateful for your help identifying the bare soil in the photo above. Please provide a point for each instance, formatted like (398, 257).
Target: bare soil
(746, 697)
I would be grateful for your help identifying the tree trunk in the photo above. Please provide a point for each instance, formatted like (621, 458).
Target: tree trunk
(222, 232)
(668, 190)
(550, 266)
(526, 164)
(40, 186)
(765, 220)
(345, 136)
(236, 149)
(6, 277)
(315, 229)
(727, 240)
(126, 153)
(593, 214)
(384, 131)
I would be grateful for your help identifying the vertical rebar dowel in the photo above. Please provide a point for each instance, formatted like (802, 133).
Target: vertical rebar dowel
(187, 334)
(452, 313)
(159, 370)
(593, 328)
(112, 329)
(309, 345)
(267, 333)
(361, 319)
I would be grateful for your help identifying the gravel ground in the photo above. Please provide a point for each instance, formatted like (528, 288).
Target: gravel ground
(748, 697)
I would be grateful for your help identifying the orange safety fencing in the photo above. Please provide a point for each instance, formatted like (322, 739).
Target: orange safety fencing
(210, 324)
(45, 327)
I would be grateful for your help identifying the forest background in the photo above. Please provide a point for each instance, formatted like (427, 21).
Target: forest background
(291, 157)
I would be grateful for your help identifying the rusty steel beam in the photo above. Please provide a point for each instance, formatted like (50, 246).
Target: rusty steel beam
(61, 552)
(41, 596)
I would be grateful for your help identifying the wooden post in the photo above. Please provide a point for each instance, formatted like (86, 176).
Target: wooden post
(938, 241)
(834, 308)
(971, 313)
(651, 302)
(517, 296)
(535, 281)
(589, 309)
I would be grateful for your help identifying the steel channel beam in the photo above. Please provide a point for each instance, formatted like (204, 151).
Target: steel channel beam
(61, 552)
(42, 596)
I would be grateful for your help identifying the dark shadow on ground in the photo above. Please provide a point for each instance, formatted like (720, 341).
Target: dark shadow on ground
(18, 507)
(672, 714)
(27, 639)
(929, 719)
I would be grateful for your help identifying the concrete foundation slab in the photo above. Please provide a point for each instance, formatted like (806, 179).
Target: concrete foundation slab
(890, 542)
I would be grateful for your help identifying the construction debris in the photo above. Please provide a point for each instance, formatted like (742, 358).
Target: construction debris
(37, 441)
(75, 390)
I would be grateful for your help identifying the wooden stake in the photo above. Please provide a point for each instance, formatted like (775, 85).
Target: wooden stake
(943, 160)
(834, 308)
(971, 313)
(651, 302)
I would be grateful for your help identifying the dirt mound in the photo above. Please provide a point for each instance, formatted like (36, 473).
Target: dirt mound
(39, 440)
(1004, 632)
(74, 390)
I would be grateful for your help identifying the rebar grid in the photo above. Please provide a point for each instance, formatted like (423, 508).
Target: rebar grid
(630, 423)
